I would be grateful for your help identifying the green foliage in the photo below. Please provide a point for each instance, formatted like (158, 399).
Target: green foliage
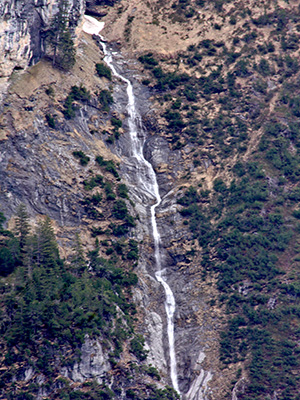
(83, 158)
(174, 120)
(9, 248)
(50, 121)
(103, 71)
(48, 313)
(119, 209)
(133, 253)
(243, 247)
(137, 347)
(79, 93)
(60, 40)
(105, 99)
(50, 91)
(109, 165)
(110, 195)
(123, 190)
(148, 60)
(116, 122)
(93, 182)
(152, 371)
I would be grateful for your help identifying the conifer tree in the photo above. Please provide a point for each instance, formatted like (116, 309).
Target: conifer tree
(22, 232)
(22, 227)
(60, 40)
(47, 253)
(78, 261)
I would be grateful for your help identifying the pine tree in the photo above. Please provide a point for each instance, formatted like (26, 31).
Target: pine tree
(78, 261)
(22, 227)
(22, 232)
(60, 40)
(46, 248)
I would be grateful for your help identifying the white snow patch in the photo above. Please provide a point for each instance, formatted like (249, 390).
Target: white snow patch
(92, 26)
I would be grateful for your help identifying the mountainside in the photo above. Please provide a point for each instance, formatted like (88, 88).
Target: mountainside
(216, 84)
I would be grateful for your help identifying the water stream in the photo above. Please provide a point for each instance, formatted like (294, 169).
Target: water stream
(147, 183)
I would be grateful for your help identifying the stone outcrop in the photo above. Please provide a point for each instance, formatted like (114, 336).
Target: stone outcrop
(93, 363)
(23, 27)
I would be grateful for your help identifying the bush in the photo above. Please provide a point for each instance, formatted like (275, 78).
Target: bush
(137, 347)
(264, 67)
(148, 60)
(50, 121)
(93, 182)
(116, 122)
(84, 159)
(103, 71)
(77, 93)
(119, 210)
(123, 190)
(105, 99)
(109, 165)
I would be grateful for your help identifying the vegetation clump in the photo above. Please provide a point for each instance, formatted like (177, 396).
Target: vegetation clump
(65, 301)
(83, 158)
(79, 93)
(103, 71)
(105, 99)
(60, 39)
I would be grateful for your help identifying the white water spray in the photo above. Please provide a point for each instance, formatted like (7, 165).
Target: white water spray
(148, 183)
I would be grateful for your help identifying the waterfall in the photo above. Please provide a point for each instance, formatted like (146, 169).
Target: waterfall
(148, 184)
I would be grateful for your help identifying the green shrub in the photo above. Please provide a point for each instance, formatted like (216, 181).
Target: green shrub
(84, 159)
(77, 93)
(103, 71)
(93, 182)
(80, 93)
(119, 209)
(105, 98)
(110, 195)
(148, 60)
(137, 347)
(50, 121)
(109, 165)
(122, 190)
(264, 67)
(116, 122)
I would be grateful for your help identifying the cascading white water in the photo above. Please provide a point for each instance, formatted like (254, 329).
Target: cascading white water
(148, 184)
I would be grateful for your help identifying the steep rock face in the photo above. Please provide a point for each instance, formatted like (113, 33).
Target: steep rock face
(47, 184)
(93, 363)
(22, 31)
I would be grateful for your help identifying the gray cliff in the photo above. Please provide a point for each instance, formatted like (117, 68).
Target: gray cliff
(23, 27)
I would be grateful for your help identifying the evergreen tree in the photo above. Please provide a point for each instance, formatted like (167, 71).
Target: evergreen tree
(78, 261)
(22, 227)
(9, 250)
(22, 231)
(60, 40)
(46, 249)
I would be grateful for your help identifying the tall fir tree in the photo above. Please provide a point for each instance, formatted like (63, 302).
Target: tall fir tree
(60, 39)
(22, 227)
(78, 261)
(46, 248)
